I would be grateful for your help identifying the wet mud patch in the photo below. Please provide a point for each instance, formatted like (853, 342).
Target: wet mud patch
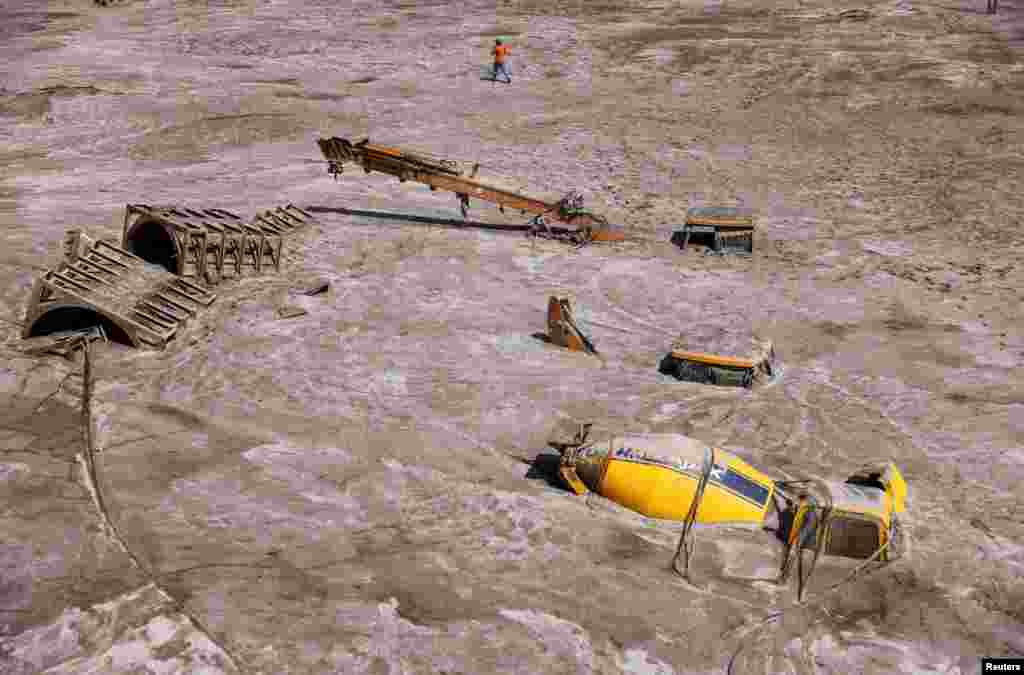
(595, 9)
(625, 548)
(284, 81)
(837, 330)
(626, 46)
(312, 96)
(902, 319)
(197, 141)
(427, 597)
(131, 629)
(982, 105)
(991, 52)
(37, 103)
(501, 32)
(155, 446)
(19, 23)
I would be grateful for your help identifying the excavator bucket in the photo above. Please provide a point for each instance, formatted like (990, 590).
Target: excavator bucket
(562, 328)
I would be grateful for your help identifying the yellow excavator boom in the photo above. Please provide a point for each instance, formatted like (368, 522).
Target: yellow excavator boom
(445, 175)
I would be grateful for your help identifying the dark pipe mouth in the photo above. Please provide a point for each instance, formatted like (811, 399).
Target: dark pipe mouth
(77, 318)
(151, 242)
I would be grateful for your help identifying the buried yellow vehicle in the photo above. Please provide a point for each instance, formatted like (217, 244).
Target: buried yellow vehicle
(673, 477)
(756, 365)
(862, 516)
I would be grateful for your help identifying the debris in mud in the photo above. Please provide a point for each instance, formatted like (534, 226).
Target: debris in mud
(76, 244)
(674, 477)
(562, 328)
(756, 366)
(858, 14)
(721, 229)
(291, 312)
(317, 288)
(64, 343)
(100, 284)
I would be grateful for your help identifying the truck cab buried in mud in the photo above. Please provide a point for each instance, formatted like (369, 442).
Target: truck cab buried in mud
(694, 366)
(721, 229)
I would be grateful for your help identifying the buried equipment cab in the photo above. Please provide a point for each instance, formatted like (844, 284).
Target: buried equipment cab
(722, 229)
(755, 366)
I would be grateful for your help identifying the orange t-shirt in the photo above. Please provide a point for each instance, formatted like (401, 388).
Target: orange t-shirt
(500, 52)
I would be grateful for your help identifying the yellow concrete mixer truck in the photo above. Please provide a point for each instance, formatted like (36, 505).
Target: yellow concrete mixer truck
(673, 477)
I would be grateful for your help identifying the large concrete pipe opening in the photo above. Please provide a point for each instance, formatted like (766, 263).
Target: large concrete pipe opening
(77, 318)
(150, 241)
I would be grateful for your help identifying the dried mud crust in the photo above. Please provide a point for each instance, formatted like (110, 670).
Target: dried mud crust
(339, 491)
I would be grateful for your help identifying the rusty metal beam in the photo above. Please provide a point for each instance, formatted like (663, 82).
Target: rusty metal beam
(442, 175)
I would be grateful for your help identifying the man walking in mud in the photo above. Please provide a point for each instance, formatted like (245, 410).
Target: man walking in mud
(501, 52)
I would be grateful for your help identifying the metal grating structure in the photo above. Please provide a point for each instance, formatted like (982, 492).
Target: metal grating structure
(209, 244)
(102, 283)
(284, 219)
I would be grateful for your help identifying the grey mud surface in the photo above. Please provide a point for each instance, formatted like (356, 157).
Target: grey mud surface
(343, 491)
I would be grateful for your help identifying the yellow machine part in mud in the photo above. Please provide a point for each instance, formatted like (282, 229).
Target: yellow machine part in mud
(862, 520)
(656, 475)
(694, 366)
(562, 328)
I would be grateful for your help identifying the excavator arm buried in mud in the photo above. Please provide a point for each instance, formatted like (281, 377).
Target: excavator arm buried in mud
(441, 174)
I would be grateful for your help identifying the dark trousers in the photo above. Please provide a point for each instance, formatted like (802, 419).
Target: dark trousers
(992, 7)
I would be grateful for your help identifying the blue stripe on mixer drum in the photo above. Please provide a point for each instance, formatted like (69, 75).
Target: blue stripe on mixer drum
(741, 485)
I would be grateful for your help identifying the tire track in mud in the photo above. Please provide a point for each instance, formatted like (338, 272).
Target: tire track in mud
(91, 476)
